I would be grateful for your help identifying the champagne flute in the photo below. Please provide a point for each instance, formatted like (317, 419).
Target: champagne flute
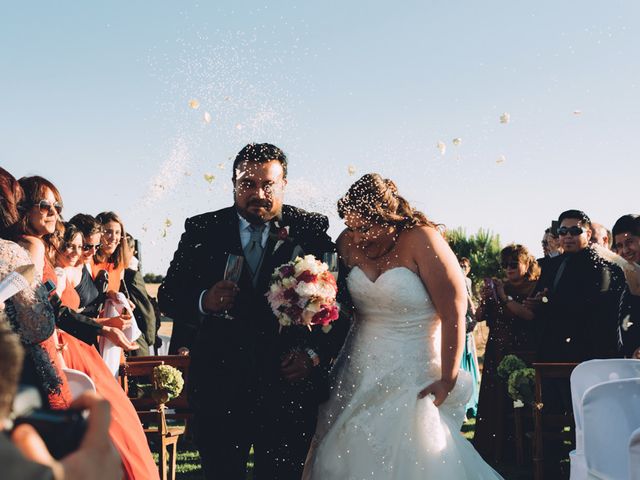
(331, 259)
(232, 272)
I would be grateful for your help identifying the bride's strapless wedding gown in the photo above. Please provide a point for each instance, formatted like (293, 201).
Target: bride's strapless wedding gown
(373, 426)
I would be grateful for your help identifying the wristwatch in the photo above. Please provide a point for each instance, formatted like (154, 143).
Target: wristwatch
(315, 359)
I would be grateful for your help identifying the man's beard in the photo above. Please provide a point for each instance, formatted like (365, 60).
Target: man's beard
(254, 218)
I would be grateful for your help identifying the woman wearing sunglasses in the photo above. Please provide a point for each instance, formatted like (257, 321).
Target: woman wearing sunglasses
(510, 332)
(125, 429)
(91, 230)
(29, 311)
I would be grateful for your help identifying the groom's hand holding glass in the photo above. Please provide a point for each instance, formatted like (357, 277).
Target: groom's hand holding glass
(220, 297)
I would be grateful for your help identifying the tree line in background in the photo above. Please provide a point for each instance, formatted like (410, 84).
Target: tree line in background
(482, 250)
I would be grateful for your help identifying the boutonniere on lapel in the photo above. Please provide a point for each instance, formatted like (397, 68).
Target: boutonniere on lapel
(280, 233)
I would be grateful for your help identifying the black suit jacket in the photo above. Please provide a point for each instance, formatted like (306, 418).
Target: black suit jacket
(231, 358)
(580, 320)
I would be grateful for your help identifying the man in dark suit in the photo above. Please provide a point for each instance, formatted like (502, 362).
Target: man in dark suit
(251, 383)
(578, 322)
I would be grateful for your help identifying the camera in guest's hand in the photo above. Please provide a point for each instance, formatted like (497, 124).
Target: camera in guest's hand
(61, 430)
(491, 285)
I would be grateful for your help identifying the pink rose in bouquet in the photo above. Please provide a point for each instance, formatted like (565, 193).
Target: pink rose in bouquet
(303, 292)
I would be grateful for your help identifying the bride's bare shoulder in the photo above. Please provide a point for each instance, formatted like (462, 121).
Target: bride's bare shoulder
(345, 246)
(424, 236)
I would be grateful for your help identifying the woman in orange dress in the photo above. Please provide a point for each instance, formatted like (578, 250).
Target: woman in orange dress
(29, 312)
(125, 429)
(114, 254)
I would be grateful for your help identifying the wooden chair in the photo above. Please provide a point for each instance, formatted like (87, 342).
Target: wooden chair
(153, 414)
(548, 425)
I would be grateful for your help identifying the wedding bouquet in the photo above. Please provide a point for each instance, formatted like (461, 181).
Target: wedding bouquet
(303, 292)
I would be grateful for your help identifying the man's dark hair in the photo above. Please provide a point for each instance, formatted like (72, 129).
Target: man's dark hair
(629, 223)
(576, 215)
(87, 224)
(260, 153)
(11, 355)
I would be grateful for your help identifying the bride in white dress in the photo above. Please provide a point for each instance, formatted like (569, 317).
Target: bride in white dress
(398, 396)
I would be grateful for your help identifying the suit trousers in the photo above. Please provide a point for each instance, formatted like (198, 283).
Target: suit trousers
(280, 430)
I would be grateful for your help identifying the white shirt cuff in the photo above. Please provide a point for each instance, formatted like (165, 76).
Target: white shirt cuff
(200, 303)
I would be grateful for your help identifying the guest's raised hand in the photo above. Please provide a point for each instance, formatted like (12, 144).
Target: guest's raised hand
(118, 338)
(121, 322)
(533, 303)
(500, 289)
(440, 391)
(221, 296)
(295, 366)
(95, 458)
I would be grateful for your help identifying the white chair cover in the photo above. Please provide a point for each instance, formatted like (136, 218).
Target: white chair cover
(586, 375)
(634, 455)
(79, 382)
(610, 414)
(109, 351)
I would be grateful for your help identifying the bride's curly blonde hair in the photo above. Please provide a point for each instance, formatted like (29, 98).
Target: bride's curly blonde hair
(376, 199)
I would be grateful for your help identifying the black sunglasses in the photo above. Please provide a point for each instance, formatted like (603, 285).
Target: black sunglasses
(573, 231)
(88, 246)
(45, 206)
(512, 264)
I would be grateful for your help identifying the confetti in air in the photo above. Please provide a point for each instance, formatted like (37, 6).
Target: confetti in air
(239, 126)
(456, 141)
(351, 170)
(193, 103)
(221, 166)
(505, 117)
(577, 112)
(442, 147)
(209, 177)
(167, 223)
(501, 159)
(207, 117)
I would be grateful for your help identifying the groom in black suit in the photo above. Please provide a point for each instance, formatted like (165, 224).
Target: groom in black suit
(251, 383)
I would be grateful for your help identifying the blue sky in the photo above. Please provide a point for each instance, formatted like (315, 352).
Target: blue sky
(95, 97)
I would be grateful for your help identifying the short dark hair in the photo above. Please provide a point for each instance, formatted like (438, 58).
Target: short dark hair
(629, 223)
(11, 355)
(70, 231)
(87, 224)
(260, 153)
(576, 215)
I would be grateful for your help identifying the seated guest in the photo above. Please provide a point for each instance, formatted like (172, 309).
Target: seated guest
(510, 332)
(90, 299)
(578, 320)
(626, 235)
(114, 254)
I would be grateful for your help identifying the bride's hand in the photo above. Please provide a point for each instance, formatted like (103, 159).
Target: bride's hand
(440, 391)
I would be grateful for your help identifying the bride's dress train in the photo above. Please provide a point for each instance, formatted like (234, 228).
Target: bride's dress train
(374, 426)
